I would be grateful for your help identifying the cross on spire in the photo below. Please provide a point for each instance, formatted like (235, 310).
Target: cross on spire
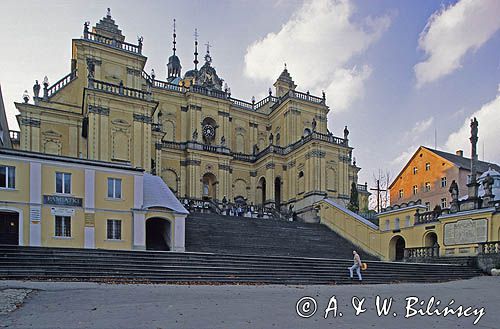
(208, 47)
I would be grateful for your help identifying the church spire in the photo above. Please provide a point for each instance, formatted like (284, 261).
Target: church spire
(175, 35)
(174, 63)
(195, 49)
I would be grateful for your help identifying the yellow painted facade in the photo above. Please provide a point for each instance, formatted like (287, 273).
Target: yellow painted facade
(188, 129)
(381, 240)
(32, 203)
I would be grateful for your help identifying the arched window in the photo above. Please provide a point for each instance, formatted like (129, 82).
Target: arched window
(307, 132)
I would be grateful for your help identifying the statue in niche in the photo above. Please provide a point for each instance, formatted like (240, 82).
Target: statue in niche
(314, 124)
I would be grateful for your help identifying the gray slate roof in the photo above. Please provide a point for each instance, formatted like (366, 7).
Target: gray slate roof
(463, 162)
(158, 194)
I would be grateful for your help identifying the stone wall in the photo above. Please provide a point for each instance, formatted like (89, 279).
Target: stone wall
(488, 261)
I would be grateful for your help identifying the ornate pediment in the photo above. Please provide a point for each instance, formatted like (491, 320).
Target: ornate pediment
(120, 122)
(51, 133)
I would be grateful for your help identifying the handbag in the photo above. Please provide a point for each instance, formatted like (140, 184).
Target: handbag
(364, 266)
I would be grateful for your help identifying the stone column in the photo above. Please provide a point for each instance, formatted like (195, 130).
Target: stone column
(179, 233)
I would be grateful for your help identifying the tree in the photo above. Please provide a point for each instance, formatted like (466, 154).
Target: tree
(354, 199)
(385, 179)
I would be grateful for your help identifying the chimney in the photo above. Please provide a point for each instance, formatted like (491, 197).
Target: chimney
(460, 153)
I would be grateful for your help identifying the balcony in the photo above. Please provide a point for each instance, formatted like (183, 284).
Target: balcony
(119, 89)
(110, 42)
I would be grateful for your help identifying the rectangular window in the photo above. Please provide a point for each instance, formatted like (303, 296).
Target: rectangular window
(401, 194)
(7, 177)
(427, 186)
(387, 225)
(63, 183)
(63, 226)
(415, 170)
(444, 204)
(427, 166)
(114, 229)
(396, 224)
(443, 181)
(415, 189)
(114, 188)
(407, 219)
(427, 206)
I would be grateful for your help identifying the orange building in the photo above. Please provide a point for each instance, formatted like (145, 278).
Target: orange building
(428, 175)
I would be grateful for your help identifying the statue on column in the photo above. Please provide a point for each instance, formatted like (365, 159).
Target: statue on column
(454, 197)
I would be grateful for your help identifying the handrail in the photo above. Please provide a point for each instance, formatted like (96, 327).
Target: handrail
(136, 49)
(426, 217)
(61, 83)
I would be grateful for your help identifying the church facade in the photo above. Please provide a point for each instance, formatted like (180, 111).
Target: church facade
(205, 144)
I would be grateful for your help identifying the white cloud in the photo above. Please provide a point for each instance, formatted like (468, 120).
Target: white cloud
(317, 43)
(453, 31)
(421, 127)
(488, 117)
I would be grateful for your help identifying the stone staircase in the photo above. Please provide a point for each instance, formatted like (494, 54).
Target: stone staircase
(41, 263)
(254, 236)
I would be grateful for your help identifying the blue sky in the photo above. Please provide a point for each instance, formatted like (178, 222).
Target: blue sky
(363, 53)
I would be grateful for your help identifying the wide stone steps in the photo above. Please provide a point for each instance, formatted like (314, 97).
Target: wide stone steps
(255, 236)
(39, 263)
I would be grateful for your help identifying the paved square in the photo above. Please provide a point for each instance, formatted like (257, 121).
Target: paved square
(89, 305)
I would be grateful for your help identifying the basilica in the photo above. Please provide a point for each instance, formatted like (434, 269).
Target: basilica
(206, 145)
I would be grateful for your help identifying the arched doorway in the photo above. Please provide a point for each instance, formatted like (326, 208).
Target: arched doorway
(158, 234)
(209, 182)
(397, 248)
(277, 192)
(9, 227)
(430, 239)
(261, 195)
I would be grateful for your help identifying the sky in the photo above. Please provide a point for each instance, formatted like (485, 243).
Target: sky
(399, 74)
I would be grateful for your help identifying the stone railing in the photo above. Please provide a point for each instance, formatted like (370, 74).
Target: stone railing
(15, 136)
(426, 217)
(119, 89)
(168, 86)
(122, 45)
(422, 252)
(242, 104)
(271, 149)
(492, 247)
(52, 90)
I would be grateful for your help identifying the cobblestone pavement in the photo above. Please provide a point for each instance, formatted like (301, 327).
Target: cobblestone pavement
(90, 305)
(11, 299)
